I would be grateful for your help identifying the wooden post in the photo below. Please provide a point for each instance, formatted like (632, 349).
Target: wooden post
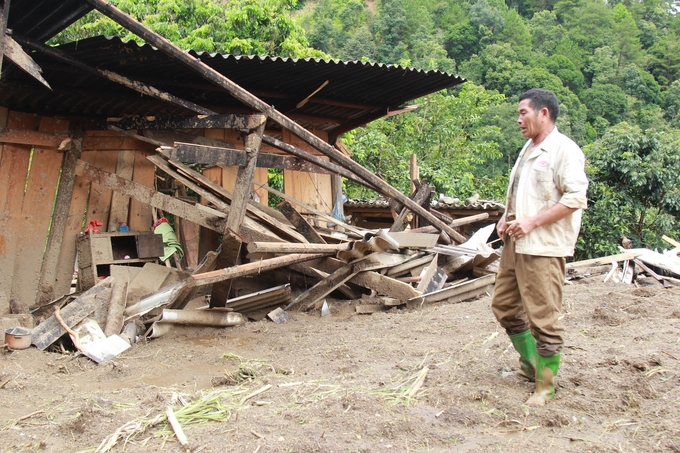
(423, 193)
(257, 104)
(4, 13)
(244, 179)
(299, 222)
(62, 206)
(302, 154)
(230, 249)
(414, 172)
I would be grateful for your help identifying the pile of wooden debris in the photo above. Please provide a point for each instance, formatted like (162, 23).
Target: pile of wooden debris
(272, 261)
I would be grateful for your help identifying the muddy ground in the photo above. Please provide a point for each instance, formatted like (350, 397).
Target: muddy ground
(341, 384)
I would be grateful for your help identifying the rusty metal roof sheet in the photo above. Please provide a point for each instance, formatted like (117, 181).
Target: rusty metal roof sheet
(480, 204)
(356, 92)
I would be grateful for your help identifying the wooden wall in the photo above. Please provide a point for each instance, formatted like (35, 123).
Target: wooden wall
(30, 170)
(29, 177)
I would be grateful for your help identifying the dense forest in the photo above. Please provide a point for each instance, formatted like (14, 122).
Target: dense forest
(615, 67)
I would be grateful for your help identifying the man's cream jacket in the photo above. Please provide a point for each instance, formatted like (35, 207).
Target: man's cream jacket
(553, 173)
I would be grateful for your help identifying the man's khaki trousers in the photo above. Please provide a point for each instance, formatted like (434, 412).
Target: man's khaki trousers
(528, 295)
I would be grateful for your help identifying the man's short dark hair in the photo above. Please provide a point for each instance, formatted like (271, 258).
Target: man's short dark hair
(539, 98)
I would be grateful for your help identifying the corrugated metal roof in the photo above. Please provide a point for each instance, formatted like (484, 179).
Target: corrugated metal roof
(480, 204)
(43, 19)
(355, 91)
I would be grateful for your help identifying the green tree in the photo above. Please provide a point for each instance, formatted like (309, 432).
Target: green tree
(635, 181)
(261, 27)
(444, 129)
(360, 46)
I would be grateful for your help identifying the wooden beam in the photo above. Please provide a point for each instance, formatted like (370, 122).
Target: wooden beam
(198, 214)
(258, 105)
(286, 247)
(382, 284)
(300, 223)
(244, 270)
(209, 155)
(326, 286)
(33, 138)
(244, 178)
(4, 13)
(169, 138)
(16, 54)
(626, 256)
(316, 160)
(424, 192)
(114, 77)
(48, 273)
(476, 287)
(239, 122)
(253, 208)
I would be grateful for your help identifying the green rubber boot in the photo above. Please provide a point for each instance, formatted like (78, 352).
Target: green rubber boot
(525, 344)
(546, 377)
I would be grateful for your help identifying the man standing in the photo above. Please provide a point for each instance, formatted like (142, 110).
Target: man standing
(546, 194)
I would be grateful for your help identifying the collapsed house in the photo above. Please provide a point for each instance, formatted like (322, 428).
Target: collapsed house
(110, 134)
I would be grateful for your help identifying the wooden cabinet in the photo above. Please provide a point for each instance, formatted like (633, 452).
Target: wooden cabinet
(97, 251)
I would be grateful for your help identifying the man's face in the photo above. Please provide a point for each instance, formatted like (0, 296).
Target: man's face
(531, 122)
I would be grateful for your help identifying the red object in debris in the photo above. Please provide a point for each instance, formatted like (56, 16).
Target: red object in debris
(159, 221)
(92, 226)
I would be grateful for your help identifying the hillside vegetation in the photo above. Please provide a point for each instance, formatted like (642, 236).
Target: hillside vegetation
(614, 67)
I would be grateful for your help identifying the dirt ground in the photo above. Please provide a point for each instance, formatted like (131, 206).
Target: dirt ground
(341, 383)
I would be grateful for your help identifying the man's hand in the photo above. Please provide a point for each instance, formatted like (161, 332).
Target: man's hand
(501, 226)
(517, 229)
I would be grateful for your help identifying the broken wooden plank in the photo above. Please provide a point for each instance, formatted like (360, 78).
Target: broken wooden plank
(651, 273)
(168, 138)
(210, 155)
(201, 215)
(432, 277)
(48, 273)
(140, 217)
(415, 261)
(227, 255)
(330, 167)
(49, 331)
(252, 208)
(605, 260)
(226, 121)
(370, 262)
(459, 297)
(299, 222)
(243, 270)
(385, 285)
(32, 138)
(318, 274)
(285, 247)
(120, 204)
(423, 193)
(414, 240)
(454, 291)
(16, 54)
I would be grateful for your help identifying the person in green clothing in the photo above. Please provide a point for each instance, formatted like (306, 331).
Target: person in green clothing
(545, 198)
